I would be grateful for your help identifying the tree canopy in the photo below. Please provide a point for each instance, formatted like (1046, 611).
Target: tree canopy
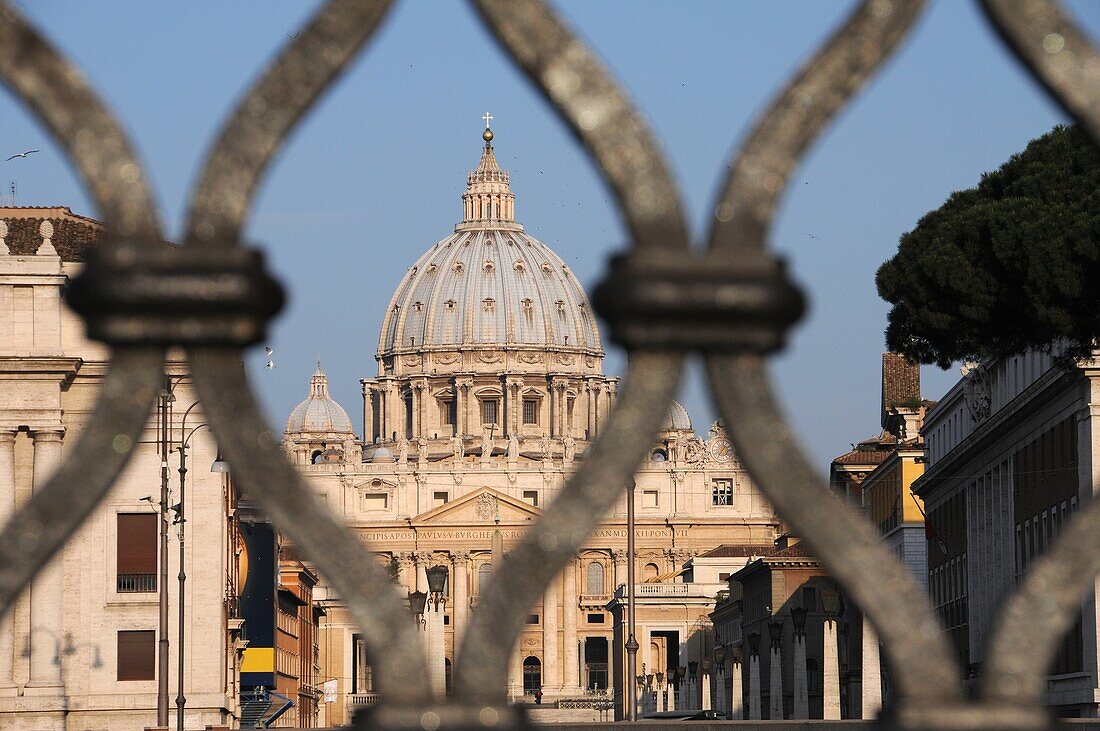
(1009, 265)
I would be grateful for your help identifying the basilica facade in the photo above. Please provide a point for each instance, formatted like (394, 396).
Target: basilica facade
(489, 392)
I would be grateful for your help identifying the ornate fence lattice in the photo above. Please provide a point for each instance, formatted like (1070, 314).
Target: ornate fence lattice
(662, 300)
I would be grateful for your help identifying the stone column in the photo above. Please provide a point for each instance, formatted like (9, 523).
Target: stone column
(406, 571)
(437, 656)
(705, 680)
(594, 395)
(801, 707)
(46, 590)
(590, 408)
(754, 677)
(394, 424)
(670, 694)
(559, 404)
(420, 393)
(618, 559)
(552, 407)
(515, 674)
(551, 666)
(872, 672)
(736, 705)
(422, 561)
(570, 661)
(7, 509)
(775, 671)
(830, 670)
(464, 386)
(461, 594)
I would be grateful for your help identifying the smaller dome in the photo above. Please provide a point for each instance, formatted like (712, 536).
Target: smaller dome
(319, 414)
(677, 419)
(380, 454)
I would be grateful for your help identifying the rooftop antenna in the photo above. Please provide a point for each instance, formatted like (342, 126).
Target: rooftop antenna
(11, 193)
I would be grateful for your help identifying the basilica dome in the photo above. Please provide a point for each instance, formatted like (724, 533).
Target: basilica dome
(318, 414)
(677, 419)
(489, 284)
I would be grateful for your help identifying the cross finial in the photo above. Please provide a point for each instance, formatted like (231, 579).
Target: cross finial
(488, 118)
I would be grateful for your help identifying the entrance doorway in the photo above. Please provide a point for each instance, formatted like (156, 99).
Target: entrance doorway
(595, 663)
(532, 674)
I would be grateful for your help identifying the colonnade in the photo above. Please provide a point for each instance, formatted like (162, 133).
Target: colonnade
(386, 404)
(560, 670)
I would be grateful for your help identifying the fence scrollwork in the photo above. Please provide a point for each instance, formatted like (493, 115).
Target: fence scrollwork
(736, 310)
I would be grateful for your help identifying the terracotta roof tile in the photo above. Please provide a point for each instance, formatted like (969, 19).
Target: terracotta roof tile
(73, 235)
(732, 550)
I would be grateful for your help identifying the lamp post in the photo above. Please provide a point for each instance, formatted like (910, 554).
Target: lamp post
(437, 587)
(631, 643)
(180, 521)
(164, 402)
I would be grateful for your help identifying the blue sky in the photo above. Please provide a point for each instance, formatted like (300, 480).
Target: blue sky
(374, 175)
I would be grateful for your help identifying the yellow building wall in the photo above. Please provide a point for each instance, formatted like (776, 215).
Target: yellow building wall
(891, 491)
(912, 506)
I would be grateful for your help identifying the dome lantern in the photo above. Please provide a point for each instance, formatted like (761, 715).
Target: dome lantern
(488, 201)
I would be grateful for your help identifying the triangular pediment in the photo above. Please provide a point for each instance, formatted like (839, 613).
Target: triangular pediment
(484, 506)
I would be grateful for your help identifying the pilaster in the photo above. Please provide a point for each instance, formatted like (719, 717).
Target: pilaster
(46, 590)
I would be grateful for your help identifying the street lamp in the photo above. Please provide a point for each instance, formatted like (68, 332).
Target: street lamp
(417, 600)
(437, 584)
(798, 617)
(220, 465)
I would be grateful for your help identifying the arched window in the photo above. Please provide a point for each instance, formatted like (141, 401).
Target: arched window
(315, 457)
(595, 582)
(483, 574)
(532, 674)
(649, 573)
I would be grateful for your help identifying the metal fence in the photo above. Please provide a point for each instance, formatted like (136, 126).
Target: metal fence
(732, 303)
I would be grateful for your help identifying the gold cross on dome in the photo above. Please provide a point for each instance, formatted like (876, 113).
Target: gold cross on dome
(488, 118)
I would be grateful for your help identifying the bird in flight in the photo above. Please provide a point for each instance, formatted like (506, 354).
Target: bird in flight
(22, 154)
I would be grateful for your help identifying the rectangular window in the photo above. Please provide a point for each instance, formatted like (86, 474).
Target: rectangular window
(489, 411)
(809, 598)
(649, 498)
(531, 496)
(440, 498)
(532, 619)
(596, 619)
(447, 412)
(569, 404)
(136, 552)
(722, 492)
(136, 655)
(530, 411)
(375, 501)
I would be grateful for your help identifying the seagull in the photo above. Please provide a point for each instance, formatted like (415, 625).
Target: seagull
(21, 154)
(269, 351)
(270, 365)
